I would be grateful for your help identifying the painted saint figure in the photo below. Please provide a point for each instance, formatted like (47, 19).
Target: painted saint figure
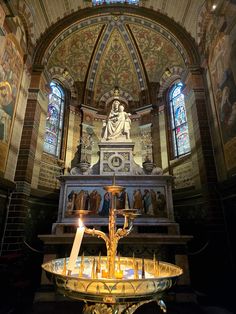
(106, 204)
(95, 200)
(137, 199)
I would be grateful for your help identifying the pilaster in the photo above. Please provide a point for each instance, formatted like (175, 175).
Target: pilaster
(201, 146)
(18, 207)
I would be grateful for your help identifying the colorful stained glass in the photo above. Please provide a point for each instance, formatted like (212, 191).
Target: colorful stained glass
(180, 135)
(54, 120)
(98, 2)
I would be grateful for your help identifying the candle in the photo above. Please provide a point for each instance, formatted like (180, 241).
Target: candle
(143, 269)
(76, 246)
(64, 268)
(119, 268)
(104, 273)
(81, 266)
(119, 274)
(133, 260)
(99, 263)
(136, 271)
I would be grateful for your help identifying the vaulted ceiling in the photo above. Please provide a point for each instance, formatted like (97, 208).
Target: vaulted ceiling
(107, 46)
(47, 12)
(107, 51)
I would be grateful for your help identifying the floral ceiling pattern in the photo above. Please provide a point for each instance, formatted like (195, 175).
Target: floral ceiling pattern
(74, 53)
(116, 68)
(126, 52)
(156, 51)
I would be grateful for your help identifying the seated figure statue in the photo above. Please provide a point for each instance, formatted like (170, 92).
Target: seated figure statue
(118, 122)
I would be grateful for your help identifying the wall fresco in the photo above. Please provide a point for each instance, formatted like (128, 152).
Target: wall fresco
(224, 89)
(157, 52)
(11, 65)
(74, 52)
(116, 68)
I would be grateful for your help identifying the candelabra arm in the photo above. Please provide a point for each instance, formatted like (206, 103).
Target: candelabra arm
(99, 234)
(127, 227)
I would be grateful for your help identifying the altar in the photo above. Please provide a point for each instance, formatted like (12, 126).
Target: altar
(143, 188)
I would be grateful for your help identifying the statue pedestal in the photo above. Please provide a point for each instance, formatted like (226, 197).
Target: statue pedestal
(116, 157)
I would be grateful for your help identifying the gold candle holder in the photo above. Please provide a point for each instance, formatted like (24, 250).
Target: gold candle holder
(143, 269)
(81, 270)
(64, 268)
(115, 234)
(136, 271)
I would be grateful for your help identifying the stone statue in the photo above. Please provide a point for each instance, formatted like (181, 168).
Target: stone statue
(118, 122)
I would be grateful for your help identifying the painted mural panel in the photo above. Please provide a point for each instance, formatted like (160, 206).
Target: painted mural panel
(11, 65)
(116, 68)
(224, 88)
(91, 200)
(157, 52)
(74, 52)
(2, 16)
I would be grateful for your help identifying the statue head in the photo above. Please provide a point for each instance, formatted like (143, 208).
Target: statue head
(121, 108)
(115, 105)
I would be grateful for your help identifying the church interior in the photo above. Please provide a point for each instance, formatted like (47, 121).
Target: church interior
(138, 93)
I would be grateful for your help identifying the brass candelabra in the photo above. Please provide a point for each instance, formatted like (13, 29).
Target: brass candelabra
(99, 281)
(115, 234)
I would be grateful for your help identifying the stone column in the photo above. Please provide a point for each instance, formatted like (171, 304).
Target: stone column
(156, 141)
(213, 258)
(145, 132)
(70, 152)
(14, 234)
(201, 145)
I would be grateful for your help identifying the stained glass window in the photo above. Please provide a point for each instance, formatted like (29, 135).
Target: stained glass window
(179, 124)
(54, 120)
(98, 2)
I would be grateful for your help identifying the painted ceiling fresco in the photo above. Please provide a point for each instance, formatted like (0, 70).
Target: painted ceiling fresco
(116, 69)
(74, 53)
(156, 51)
(108, 52)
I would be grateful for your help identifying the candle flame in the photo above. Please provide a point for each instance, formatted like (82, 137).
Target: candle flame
(81, 223)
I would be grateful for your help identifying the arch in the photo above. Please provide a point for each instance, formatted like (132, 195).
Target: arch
(65, 78)
(182, 36)
(166, 80)
(26, 17)
(124, 96)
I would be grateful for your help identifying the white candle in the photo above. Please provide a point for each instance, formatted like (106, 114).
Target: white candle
(76, 246)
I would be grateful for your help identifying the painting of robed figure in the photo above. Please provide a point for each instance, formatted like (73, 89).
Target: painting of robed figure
(11, 65)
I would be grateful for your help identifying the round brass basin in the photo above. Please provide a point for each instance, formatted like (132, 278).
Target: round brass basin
(112, 290)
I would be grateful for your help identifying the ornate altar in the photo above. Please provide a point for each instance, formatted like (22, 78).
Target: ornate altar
(145, 191)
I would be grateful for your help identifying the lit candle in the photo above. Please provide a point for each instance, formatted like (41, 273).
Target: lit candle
(76, 246)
